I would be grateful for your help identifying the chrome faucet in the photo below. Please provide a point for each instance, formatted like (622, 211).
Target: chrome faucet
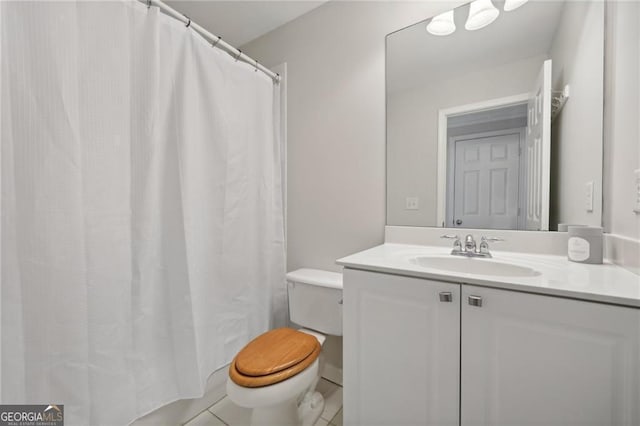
(470, 248)
(469, 244)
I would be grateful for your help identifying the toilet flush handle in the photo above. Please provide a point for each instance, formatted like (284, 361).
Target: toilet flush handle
(340, 302)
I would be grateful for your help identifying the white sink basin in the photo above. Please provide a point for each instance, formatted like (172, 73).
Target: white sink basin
(475, 266)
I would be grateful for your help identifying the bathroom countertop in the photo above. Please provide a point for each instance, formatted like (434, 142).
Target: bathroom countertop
(606, 283)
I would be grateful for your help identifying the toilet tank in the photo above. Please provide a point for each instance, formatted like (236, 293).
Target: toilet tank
(315, 300)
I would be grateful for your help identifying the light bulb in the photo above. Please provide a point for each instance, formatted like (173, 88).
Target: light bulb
(510, 5)
(442, 25)
(481, 14)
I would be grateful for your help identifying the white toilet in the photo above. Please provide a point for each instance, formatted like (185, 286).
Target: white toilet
(276, 374)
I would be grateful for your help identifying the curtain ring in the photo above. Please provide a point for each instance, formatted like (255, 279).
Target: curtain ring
(188, 23)
(215, 43)
(256, 70)
(148, 4)
(239, 53)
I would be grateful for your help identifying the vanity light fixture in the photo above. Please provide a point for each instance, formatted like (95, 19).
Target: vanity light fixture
(481, 14)
(442, 25)
(510, 5)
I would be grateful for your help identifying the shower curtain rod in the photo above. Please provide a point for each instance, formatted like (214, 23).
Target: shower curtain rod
(216, 41)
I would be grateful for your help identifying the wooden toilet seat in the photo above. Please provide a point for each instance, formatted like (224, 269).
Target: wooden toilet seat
(274, 357)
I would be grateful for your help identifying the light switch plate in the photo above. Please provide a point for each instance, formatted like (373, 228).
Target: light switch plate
(636, 186)
(411, 203)
(588, 196)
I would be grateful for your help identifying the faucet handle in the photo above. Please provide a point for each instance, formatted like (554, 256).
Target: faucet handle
(450, 236)
(457, 244)
(484, 244)
(491, 239)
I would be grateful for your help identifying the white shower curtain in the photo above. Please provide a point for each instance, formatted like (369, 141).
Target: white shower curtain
(142, 212)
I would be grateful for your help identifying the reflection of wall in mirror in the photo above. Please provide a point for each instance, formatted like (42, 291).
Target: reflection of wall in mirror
(412, 132)
(622, 137)
(577, 53)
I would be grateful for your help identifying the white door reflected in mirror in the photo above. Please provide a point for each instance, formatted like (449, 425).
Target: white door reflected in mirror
(485, 184)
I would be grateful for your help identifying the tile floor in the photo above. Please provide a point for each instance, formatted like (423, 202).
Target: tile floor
(226, 413)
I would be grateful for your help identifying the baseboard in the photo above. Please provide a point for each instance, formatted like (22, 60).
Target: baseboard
(623, 251)
(183, 410)
(332, 373)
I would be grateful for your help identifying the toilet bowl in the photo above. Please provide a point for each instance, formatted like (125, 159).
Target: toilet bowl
(276, 373)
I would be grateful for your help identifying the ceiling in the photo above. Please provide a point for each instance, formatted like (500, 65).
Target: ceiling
(239, 22)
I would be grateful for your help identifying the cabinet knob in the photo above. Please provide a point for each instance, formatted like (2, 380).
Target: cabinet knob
(475, 301)
(446, 296)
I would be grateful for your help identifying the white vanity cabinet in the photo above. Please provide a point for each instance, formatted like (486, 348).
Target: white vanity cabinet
(541, 360)
(401, 342)
(489, 357)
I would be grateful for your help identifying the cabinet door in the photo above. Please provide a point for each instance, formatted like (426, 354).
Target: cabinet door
(401, 350)
(541, 360)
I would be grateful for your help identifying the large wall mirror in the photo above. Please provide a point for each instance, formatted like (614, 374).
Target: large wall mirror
(498, 127)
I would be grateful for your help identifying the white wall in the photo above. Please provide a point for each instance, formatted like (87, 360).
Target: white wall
(412, 132)
(622, 119)
(577, 51)
(335, 59)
